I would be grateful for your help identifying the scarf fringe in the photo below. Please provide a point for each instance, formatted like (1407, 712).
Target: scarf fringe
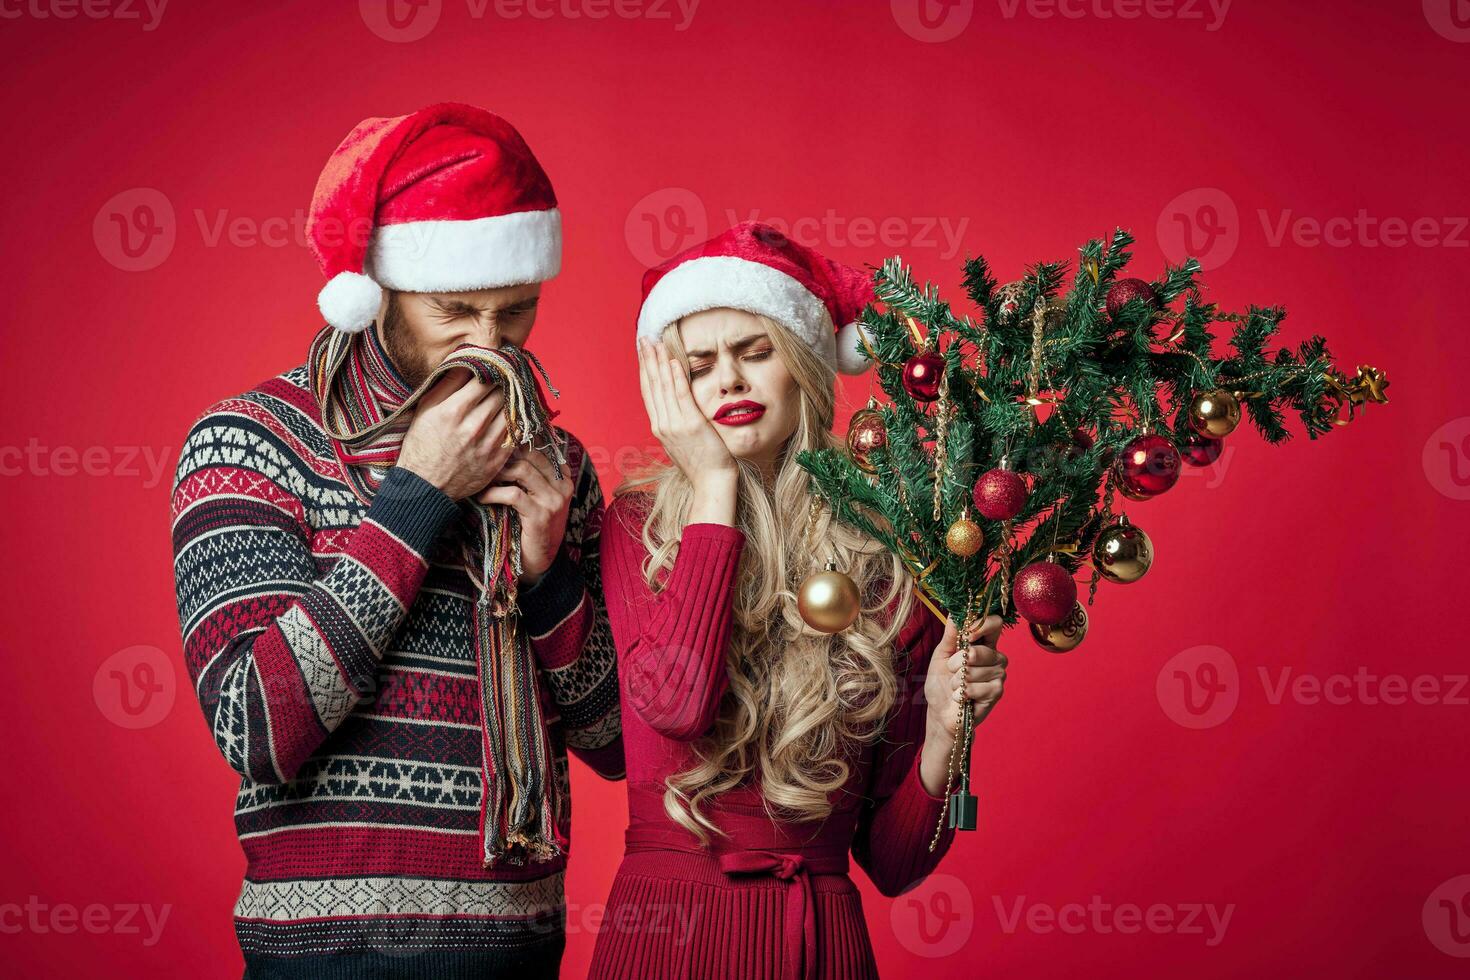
(366, 411)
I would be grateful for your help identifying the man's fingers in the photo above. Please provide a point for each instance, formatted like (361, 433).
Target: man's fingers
(448, 383)
(512, 495)
(541, 462)
(524, 473)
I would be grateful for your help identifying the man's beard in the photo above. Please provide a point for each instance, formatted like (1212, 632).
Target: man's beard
(406, 357)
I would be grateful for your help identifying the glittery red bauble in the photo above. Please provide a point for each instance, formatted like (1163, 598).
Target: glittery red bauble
(1044, 592)
(921, 374)
(1125, 291)
(999, 494)
(1148, 466)
(1081, 442)
(1199, 450)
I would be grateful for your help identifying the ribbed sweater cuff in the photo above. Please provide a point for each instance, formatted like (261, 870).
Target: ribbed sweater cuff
(704, 569)
(553, 597)
(412, 508)
(914, 805)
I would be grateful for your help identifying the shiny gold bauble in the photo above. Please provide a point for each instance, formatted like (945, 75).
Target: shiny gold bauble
(865, 433)
(1064, 636)
(1214, 413)
(1122, 552)
(828, 601)
(964, 537)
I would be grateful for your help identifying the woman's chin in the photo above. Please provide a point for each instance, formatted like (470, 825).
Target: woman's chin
(747, 442)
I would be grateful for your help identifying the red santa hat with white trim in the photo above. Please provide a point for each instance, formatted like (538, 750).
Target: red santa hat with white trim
(755, 268)
(445, 199)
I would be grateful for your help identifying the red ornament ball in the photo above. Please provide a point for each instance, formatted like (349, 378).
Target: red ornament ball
(1125, 291)
(1045, 593)
(1081, 442)
(1148, 466)
(999, 494)
(921, 374)
(1199, 450)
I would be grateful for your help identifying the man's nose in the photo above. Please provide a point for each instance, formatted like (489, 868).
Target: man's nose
(487, 333)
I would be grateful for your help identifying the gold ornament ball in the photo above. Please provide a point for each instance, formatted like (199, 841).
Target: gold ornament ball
(1064, 636)
(1214, 413)
(1053, 317)
(1123, 552)
(828, 601)
(865, 433)
(964, 537)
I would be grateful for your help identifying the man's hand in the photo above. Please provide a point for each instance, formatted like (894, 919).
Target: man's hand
(528, 482)
(456, 439)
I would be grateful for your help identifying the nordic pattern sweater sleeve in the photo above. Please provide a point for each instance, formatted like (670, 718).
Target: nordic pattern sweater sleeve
(565, 615)
(899, 816)
(671, 644)
(279, 656)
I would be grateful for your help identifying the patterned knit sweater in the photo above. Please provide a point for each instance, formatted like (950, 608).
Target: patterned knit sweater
(329, 644)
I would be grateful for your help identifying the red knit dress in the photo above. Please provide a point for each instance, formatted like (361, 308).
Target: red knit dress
(773, 900)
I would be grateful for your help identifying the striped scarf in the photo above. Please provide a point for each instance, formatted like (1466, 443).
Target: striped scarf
(366, 410)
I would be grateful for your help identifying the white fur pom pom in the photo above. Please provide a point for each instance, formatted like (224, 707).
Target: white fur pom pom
(350, 301)
(852, 356)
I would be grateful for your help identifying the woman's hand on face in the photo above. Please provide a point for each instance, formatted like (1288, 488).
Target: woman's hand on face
(687, 436)
(978, 674)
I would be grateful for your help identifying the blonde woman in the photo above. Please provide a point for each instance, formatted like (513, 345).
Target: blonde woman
(760, 753)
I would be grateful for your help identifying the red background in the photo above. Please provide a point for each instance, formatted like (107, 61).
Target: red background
(1327, 826)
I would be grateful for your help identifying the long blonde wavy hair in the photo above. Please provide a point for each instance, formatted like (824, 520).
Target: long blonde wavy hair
(799, 702)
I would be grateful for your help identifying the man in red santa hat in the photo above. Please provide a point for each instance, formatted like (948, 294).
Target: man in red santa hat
(386, 562)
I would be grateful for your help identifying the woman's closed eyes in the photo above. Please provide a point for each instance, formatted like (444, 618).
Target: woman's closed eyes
(755, 355)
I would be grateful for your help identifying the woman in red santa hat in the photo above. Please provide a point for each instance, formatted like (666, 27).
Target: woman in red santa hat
(760, 752)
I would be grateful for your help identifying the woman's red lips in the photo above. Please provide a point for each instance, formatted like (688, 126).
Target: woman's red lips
(739, 413)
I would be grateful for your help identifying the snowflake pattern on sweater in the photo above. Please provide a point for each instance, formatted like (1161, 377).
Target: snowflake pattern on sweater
(330, 648)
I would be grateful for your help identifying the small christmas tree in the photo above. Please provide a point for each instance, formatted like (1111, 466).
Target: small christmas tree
(994, 470)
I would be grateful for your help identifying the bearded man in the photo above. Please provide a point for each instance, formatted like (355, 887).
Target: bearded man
(386, 562)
